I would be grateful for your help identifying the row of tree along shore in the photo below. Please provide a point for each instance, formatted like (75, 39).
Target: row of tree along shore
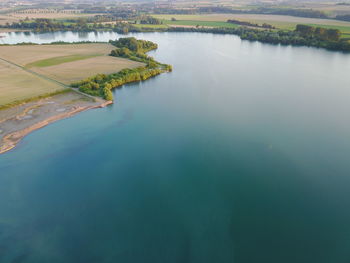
(101, 85)
(302, 36)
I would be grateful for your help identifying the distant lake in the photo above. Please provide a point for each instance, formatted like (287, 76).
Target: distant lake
(241, 154)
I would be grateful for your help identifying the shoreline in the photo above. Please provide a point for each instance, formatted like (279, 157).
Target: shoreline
(10, 139)
(18, 121)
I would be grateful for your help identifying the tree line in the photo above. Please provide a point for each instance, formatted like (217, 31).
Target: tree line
(319, 32)
(48, 25)
(343, 17)
(294, 38)
(246, 23)
(101, 85)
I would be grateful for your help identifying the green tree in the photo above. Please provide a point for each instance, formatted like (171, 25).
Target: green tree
(305, 30)
(107, 93)
(333, 34)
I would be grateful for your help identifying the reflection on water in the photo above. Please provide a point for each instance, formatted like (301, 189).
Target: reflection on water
(241, 154)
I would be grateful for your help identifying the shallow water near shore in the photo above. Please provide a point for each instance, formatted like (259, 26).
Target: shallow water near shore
(241, 154)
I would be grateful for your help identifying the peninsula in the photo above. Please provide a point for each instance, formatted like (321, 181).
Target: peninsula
(41, 84)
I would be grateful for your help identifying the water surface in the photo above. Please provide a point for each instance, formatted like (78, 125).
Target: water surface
(241, 154)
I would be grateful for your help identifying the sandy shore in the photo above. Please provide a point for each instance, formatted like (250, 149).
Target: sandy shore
(18, 121)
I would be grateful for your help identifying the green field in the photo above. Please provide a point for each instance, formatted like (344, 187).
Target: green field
(199, 23)
(180, 17)
(59, 60)
(31, 71)
(17, 84)
(280, 22)
(150, 26)
(167, 23)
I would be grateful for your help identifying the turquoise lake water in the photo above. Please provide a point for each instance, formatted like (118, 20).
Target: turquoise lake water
(241, 154)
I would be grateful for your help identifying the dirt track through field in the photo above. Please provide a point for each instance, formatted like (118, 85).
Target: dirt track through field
(46, 78)
(35, 73)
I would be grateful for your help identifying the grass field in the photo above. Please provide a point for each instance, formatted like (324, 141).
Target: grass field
(35, 70)
(199, 23)
(59, 60)
(48, 15)
(27, 54)
(16, 84)
(281, 22)
(7, 19)
(151, 26)
(192, 23)
(328, 8)
(80, 69)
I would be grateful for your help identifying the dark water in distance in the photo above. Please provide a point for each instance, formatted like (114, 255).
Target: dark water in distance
(241, 154)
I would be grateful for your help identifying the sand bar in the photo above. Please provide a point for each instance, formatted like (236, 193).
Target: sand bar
(18, 121)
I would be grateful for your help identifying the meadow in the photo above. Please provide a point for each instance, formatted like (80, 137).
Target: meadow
(59, 60)
(7, 19)
(199, 23)
(77, 70)
(278, 21)
(28, 71)
(150, 26)
(26, 55)
(16, 84)
(49, 15)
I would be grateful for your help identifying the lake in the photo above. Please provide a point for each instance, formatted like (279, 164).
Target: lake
(241, 154)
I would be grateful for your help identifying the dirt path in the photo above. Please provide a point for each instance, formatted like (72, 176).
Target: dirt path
(49, 79)
(35, 73)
